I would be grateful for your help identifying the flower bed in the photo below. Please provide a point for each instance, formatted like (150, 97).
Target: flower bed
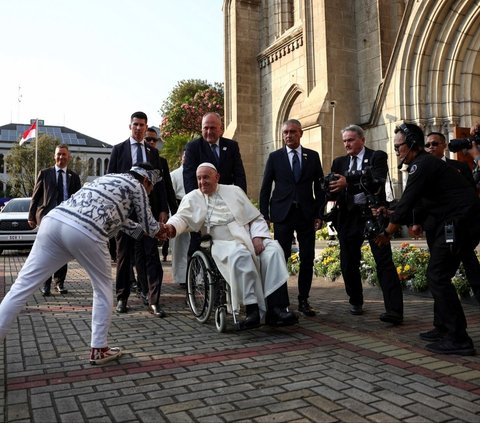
(411, 263)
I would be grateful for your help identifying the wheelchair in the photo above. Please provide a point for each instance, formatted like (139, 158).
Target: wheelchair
(207, 290)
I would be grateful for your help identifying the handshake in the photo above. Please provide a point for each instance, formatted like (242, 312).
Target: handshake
(166, 232)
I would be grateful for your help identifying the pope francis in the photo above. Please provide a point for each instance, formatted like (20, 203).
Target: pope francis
(250, 261)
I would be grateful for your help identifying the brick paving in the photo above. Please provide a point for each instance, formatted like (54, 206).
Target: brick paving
(334, 367)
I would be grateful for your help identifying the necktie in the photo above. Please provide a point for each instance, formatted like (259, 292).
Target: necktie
(139, 153)
(354, 163)
(296, 166)
(215, 152)
(60, 193)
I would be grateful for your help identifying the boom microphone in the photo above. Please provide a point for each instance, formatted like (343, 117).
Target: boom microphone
(404, 157)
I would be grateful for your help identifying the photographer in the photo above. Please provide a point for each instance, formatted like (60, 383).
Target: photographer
(353, 201)
(452, 227)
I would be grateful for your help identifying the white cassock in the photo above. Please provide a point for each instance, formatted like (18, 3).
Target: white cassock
(232, 221)
(179, 244)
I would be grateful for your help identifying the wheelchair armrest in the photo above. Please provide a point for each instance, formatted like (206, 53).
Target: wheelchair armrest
(206, 242)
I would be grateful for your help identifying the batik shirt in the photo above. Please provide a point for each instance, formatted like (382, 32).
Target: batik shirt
(103, 207)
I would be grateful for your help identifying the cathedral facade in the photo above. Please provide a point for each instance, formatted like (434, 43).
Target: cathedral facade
(330, 63)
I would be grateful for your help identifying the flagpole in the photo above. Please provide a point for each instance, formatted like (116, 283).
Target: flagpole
(36, 149)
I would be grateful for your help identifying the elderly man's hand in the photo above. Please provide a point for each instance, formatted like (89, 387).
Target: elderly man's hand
(166, 232)
(415, 231)
(258, 245)
(382, 239)
(339, 184)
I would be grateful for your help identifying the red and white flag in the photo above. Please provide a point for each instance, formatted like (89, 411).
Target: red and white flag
(29, 133)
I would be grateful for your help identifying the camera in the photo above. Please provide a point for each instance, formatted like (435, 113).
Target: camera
(325, 182)
(365, 182)
(458, 144)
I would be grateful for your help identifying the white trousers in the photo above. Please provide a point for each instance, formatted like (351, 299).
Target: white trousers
(56, 244)
(180, 246)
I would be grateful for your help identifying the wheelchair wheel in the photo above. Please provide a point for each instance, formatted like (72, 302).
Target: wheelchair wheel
(200, 286)
(221, 319)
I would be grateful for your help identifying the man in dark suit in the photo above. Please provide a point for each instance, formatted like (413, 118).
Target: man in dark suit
(54, 185)
(351, 202)
(152, 139)
(211, 147)
(123, 156)
(436, 145)
(295, 203)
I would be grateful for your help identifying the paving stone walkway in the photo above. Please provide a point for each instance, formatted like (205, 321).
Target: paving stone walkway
(334, 367)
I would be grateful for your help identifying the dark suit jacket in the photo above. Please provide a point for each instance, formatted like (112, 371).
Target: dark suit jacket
(377, 160)
(171, 197)
(462, 168)
(275, 205)
(44, 197)
(230, 166)
(121, 162)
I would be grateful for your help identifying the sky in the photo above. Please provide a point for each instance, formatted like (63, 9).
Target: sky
(89, 64)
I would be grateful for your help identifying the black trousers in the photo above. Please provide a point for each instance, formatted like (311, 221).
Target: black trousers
(59, 278)
(350, 236)
(305, 229)
(444, 260)
(149, 268)
(125, 260)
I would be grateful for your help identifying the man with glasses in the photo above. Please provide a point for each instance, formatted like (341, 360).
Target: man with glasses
(350, 223)
(450, 220)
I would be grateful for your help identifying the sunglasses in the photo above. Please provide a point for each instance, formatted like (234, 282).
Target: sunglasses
(150, 139)
(432, 144)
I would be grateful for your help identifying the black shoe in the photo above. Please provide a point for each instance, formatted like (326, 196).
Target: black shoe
(183, 285)
(356, 310)
(433, 335)
(304, 307)
(144, 298)
(45, 292)
(391, 317)
(252, 320)
(280, 317)
(121, 306)
(156, 311)
(61, 290)
(447, 346)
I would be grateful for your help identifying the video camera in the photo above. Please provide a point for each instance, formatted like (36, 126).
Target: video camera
(364, 181)
(458, 144)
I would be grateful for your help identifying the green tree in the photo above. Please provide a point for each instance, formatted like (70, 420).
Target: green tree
(189, 100)
(21, 164)
(172, 150)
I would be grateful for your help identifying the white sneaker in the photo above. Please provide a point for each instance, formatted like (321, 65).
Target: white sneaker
(103, 355)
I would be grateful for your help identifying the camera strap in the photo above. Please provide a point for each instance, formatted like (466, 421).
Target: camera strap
(389, 196)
